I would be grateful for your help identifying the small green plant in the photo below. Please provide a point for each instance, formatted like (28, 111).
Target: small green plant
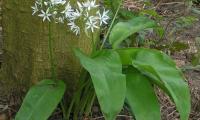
(115, 76)
(196, 57)
(175, 28)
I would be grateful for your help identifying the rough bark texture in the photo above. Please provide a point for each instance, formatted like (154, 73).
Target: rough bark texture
(1, 43)
(26, 58)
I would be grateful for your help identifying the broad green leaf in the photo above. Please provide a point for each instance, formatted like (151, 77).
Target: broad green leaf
(141, 96)
(126, 14)
(107, 4)
(116, 4)
(163, 72)
(112, 4)
(105, 69)
(122, 30)
(41, 100)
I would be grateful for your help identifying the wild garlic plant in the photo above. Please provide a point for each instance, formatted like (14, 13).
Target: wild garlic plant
(61, 11)
(113, 76)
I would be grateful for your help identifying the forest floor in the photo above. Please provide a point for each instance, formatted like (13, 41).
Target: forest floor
(10, 104)
(183, 59)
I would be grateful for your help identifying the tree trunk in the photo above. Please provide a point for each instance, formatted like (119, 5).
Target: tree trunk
(26, 58)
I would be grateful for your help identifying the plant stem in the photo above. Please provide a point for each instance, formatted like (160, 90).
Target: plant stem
(51, 56)
(93, 43)
(112, 23)
(63, 109)
(88, 110)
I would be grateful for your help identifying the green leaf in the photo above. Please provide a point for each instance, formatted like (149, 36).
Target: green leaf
(186, 21)
(159, 30)
(122, 30)
(105, 69)
(141, 96)
(196, 10)
(178, 46)
(151, 13)
(126, 14)
(107, 4)
(163, 71)
(115, 4)
(41, 100)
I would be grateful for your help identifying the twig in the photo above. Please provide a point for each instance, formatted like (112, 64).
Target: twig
(159, 3)
(184, 68)
(98, 118)
(171, 3)
(126, 116)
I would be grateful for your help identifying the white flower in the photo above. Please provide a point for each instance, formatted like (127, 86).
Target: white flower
(90, 4)
(35, 9)
(80, 6)
(55, 12)
(39, 2)
(60, 20)
(45, 15)
(57, 2)
(93, 18)
(103, 17)
(86, 15)
(75, 15)
(91, 23)
(45, 3)
(74, 27)
(68, 10)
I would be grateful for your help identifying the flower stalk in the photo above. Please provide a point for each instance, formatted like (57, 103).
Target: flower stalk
(111, 25)
(51, 53)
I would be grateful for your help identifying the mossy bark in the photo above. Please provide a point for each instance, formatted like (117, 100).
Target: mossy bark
(26, 58)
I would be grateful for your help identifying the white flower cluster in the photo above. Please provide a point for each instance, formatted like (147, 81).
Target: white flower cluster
(61, 11)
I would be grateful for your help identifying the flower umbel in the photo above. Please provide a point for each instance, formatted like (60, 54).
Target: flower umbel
(61, 11)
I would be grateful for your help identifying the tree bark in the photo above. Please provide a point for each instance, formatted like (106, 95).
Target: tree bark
(26, 58)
